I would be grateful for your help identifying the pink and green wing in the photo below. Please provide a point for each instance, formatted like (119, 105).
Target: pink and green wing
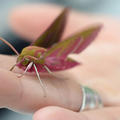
(87, 35)
(74, 44)
(56, 57)
(53, 34)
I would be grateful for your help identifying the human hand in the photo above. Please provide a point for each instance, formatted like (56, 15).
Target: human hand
(99, 70)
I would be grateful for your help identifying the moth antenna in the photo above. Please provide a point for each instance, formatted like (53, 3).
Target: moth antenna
(27, 68)
(48, 70)
(12, 67)
(42, 85)
(7, 43)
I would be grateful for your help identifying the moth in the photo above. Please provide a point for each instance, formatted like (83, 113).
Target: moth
(48, 53)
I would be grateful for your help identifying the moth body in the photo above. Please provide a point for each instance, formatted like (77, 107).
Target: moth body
(49, 53)
(31, 54)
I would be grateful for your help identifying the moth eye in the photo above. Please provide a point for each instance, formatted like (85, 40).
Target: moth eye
(25, 61)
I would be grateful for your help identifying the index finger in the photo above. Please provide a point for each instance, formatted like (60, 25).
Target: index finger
(25, 94)
(30, 21)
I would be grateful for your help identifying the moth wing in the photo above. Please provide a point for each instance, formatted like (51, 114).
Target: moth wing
(55, 64)
(54, 32)
(58, 64)
(87, 35)
(74, 44)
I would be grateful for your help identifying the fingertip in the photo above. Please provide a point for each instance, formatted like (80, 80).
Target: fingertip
(31, 20)
(55, 113)
(44, 113)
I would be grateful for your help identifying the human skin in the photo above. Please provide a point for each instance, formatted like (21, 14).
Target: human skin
(99, 69)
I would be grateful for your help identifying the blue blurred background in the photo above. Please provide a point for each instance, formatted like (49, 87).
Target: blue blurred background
(105, 7)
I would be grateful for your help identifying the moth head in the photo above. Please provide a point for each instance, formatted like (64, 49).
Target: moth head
(30, 54)
(22, 58)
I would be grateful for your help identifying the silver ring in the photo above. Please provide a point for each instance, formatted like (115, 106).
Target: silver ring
(90, 99)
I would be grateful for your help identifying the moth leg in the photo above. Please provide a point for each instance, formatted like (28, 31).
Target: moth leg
(27, 68)
(30, 57)
(42, 85)
(12, 67)
(50, 72)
